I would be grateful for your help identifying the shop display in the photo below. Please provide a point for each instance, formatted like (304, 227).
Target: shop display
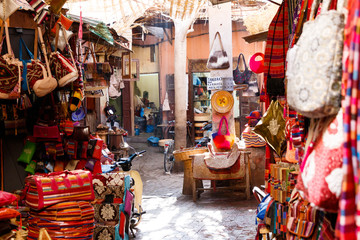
(315, 65)
(218, 58)
(242, 77)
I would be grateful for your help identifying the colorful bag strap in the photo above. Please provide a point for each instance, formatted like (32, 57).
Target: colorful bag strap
(220, 126)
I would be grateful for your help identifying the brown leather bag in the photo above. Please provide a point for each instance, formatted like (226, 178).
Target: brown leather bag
(81, 134)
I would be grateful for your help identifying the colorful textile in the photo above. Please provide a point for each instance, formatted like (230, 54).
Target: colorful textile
(347, 226)
(277, 44)
(45, 190)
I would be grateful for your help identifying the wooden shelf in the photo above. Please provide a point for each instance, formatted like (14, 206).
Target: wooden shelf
(262, 36)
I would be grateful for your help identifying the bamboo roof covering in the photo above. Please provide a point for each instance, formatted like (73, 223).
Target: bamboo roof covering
(121, 14)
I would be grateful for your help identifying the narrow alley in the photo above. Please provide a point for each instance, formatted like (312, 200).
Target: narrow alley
(171, 215)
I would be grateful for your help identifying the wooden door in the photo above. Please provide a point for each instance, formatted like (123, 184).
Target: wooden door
(126, 107)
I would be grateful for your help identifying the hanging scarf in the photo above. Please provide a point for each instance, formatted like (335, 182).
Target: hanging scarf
(347, 227)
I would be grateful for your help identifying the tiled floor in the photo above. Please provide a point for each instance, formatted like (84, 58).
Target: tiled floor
(171, 215)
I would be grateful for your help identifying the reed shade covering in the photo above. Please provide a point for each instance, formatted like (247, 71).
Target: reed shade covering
(125, 12)
(222, 101)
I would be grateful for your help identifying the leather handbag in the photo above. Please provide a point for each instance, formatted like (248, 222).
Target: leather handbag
(63, 70)
(81, 134)
(45, 190)
(34, 70)
(242, 77)
(46, 84)
(218, 58)
(223, 141)
(315, 64)
(10, 80)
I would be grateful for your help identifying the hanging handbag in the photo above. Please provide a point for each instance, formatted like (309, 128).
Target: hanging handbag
(45, 190)
(81, 133)
(315, 64)
(13, 120)
(63, 70)
(46, 84)
(34, 70)
(257, 66)
(242, 77)
(11, 68)
(275, 60)
(302, 219)
(223, 141)
(218, 58)
(322, 174)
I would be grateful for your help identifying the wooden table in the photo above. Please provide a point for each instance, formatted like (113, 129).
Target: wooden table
(199, 172)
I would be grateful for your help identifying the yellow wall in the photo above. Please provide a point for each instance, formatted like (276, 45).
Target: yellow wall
(143, 54)
(150, 83)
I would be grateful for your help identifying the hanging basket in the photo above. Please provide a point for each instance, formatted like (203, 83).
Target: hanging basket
(185, 153)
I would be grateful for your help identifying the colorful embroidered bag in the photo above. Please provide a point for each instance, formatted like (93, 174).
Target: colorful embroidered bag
(11, 69)
(314, 67)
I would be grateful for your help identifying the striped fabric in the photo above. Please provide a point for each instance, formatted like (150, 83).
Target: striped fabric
(251, 139)
(61, 230)
(46, 190)
(66, 211)
(348, 225)
(277, 40)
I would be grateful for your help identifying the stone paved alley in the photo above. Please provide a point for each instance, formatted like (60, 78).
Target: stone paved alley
(171, 215)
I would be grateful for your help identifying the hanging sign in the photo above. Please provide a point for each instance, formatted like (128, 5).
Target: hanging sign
(218, 83)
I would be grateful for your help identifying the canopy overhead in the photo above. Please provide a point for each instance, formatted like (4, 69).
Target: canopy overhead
(121, 14)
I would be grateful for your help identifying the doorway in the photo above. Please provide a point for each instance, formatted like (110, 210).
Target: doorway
(147, 101)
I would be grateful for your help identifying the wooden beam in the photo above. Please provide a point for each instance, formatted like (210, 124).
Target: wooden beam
(167, 36)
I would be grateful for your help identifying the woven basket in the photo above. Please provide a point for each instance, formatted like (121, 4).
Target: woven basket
(185, 153)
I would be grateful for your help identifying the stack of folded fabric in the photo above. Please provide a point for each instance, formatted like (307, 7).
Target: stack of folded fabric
(60, 203)
(6, 214)
(110, 215)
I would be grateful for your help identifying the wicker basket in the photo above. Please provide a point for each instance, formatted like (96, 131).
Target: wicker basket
(185, 153)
